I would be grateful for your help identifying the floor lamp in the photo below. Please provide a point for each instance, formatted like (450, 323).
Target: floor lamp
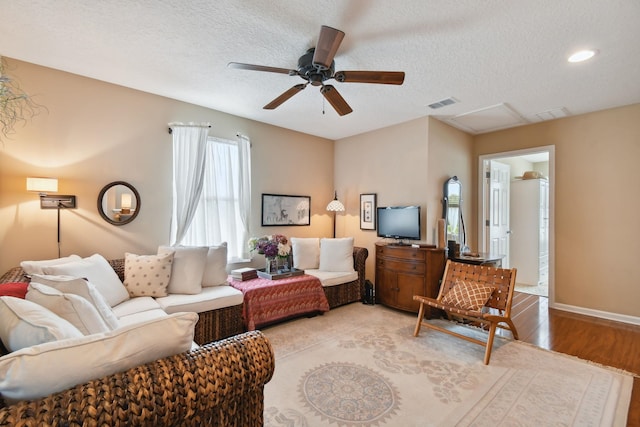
(58, 201)
(335, 206)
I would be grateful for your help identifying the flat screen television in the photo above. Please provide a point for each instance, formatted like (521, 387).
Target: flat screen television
(399, 222)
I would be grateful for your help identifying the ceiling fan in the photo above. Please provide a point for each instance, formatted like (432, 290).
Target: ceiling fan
(317, 66)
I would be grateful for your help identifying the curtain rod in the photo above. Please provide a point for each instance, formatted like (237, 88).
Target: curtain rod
(205, 125)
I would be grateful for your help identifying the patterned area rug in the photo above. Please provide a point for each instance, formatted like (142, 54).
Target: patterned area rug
(360, 365)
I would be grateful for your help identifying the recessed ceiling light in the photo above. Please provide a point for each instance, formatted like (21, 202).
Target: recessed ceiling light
(582, 55)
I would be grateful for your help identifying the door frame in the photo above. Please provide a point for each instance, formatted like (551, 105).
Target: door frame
(483, 210)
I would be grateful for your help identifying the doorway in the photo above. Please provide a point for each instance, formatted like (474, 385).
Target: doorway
(516, 214)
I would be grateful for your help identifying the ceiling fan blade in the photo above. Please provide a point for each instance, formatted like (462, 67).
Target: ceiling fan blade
(328, 44)
(335, 99)
(282, 98)
(380, 77)
(241, 66)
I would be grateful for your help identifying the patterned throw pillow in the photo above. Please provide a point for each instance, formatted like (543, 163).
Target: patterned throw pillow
(468, 295)
(147, 275)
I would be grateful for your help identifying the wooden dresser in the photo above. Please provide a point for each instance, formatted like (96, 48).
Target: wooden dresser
(405, 271)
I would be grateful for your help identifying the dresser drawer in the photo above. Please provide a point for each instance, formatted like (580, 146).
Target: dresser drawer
(403, 252)
(403, 266)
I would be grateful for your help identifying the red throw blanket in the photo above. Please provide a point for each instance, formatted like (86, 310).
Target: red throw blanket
(267, 301)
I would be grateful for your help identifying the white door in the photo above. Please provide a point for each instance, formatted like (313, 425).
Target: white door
(499, 178)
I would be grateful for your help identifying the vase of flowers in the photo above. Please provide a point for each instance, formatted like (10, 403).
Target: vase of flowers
(275, 248)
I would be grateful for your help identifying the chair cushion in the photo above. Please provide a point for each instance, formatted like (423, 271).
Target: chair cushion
(215, 271)
(96, 270)
(147, 275)
(306, 252)
(188, 268)
(336, 254)
(28, 373)
(25, 324)
(73, 308)
(35, 267)
(83, 288)
(468, 295)
(135, 305)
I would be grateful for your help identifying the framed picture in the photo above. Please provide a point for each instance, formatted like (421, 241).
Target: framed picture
(368, 211)
(281, 209)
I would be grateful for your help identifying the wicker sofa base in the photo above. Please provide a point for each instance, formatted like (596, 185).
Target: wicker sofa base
(345, 293)
(218, 324)
(219, 384)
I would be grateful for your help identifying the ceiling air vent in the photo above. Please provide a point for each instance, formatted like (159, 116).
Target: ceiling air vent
(443, 103)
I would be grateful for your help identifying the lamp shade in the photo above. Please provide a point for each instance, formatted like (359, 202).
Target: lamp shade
(42, 185)
(335, 205)
(125, 202)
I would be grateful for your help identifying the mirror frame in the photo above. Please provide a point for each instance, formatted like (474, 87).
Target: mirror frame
(462, 234)
(107, 188)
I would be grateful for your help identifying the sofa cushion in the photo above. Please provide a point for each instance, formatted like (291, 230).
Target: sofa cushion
(147, 275)
(28, 373)
(96, 270)
(83, 288)
(35, 267)
(215, 272)
(336, 254)
(188, 268)
(333, 278)
(25, 324)
(73, 308)
(135, 305)
(306, 252)
(142, 316)
(209, 299)
(13, 289)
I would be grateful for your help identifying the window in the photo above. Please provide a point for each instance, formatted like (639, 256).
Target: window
(222, 206)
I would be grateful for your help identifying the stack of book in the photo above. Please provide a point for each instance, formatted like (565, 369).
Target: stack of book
(242, 274)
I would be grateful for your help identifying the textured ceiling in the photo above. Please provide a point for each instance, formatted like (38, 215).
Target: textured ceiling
(492, 56)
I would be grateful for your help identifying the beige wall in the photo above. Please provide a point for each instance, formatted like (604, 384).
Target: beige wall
(596, 204)
(95, 133)
(405, 164)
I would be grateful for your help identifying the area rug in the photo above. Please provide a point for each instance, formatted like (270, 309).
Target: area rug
(360, 365)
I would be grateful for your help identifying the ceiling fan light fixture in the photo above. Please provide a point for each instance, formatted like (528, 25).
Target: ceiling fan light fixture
(582, 55)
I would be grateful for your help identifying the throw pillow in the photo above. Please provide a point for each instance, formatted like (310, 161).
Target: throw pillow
(188, 268)
(83, 288)
(468, 295)
(306, 252)
(96, 270)
(41, 370)
(14, 289)
(147, 275)
(215, 271)
(25, 324)
(336, 254)
(35, 267)
(73, 308)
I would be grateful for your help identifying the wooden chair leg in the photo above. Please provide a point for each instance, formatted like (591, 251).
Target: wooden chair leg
(512, 328)
(487, 351)
(419, 322)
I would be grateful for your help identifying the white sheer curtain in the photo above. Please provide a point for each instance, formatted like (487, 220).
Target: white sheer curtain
(189, 146)
(222, 213)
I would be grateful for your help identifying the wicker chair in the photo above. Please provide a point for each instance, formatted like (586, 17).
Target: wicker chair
(496, 312)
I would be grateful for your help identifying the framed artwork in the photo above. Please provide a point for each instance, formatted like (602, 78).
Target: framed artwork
(281, 209)
(368, 211)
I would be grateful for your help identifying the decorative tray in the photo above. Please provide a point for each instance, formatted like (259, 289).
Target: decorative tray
(279, 275)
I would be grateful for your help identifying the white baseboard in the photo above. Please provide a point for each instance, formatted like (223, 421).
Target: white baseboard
(624, 318)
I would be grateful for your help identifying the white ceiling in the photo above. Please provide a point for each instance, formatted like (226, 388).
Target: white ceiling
(503, 60)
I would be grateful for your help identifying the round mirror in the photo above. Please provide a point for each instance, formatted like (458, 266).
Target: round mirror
(118, 203)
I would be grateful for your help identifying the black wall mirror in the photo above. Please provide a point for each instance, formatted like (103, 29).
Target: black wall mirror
(118, 203)
(452, 210)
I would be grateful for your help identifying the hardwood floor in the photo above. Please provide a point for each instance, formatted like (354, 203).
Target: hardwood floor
(601, 341)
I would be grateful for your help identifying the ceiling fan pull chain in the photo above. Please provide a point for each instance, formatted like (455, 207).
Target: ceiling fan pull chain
(323, 105)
